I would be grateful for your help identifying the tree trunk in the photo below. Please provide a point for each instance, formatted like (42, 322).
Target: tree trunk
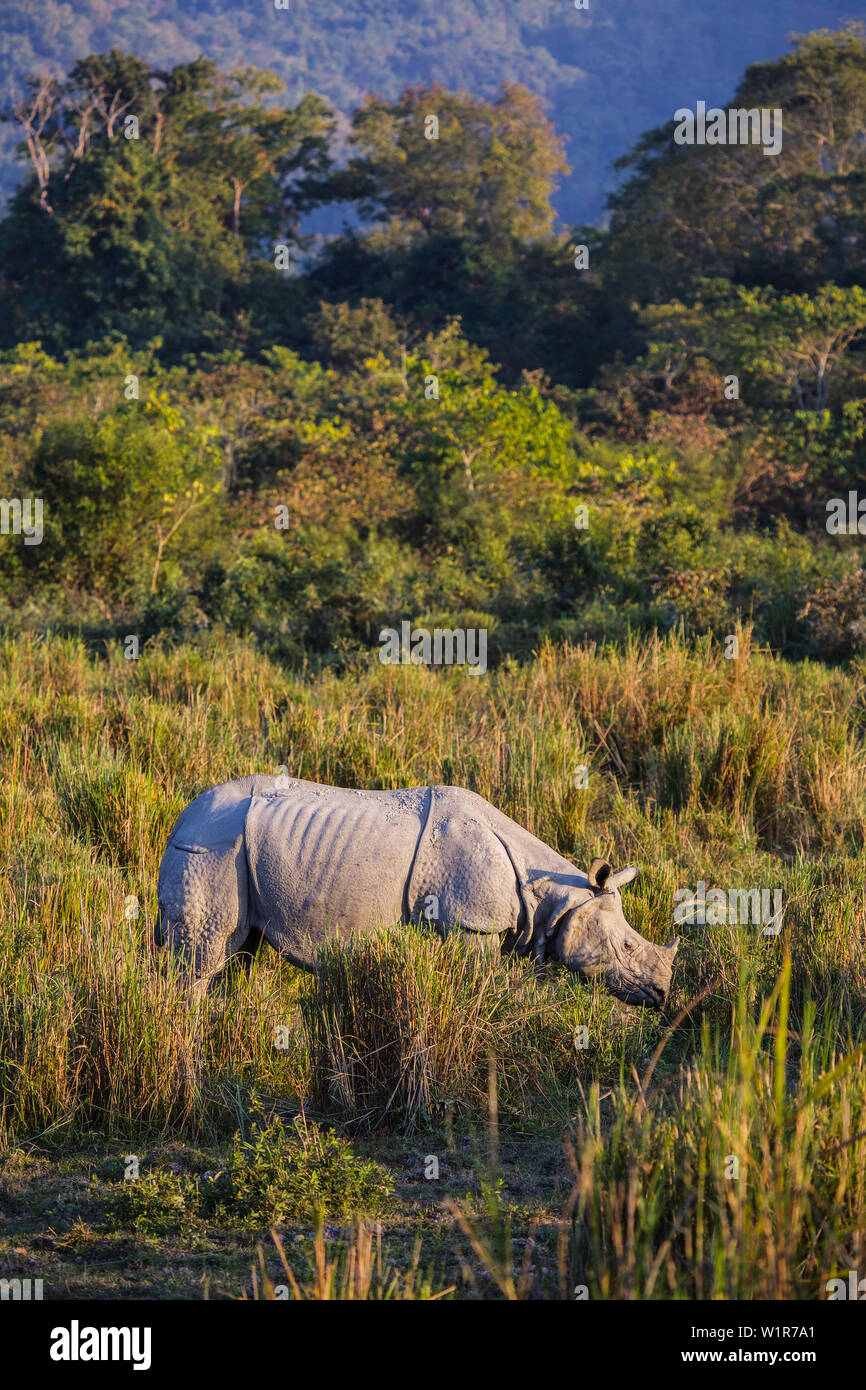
(470, 481)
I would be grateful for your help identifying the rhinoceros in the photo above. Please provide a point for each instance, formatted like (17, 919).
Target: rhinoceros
(302, 864)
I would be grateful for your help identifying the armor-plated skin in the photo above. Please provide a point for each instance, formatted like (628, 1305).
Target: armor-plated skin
(304, 864)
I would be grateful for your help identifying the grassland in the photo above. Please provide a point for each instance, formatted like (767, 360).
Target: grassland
(288, 1131)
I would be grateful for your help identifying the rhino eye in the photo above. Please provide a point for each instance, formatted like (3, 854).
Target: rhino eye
(629, 946)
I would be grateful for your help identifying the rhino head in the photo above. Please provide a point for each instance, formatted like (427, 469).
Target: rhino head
(589, 935)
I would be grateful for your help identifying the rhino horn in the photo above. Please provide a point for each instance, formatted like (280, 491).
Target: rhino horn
(672, 945)
(622, 876)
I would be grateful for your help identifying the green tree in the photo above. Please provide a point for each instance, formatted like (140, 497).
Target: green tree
(116, 491)
(486, 168)
(794, 219)
(798, 342)
(154, 235)
(786, 349)
(464, 424)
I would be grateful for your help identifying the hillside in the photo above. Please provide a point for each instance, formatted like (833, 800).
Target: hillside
(608, 74)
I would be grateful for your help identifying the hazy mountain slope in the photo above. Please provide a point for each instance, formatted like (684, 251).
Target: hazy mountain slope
(608, 74)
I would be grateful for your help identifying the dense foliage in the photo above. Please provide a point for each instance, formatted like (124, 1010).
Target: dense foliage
(454, 416)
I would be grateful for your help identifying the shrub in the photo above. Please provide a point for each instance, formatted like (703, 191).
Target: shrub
(835, 615)
(157, 1203)
(277, 1176)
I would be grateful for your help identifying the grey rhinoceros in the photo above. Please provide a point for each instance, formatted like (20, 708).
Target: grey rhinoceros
(303, 864)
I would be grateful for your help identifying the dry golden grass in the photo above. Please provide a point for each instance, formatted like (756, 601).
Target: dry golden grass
(735, 772)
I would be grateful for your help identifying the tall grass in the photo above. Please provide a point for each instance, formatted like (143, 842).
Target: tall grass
(747, 772)
(354, 1271)
(740, 1174)
(402, 1029)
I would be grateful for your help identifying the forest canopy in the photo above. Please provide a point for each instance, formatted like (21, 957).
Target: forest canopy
(456, 408)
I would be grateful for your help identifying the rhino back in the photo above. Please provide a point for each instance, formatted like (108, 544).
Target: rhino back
(326, 862)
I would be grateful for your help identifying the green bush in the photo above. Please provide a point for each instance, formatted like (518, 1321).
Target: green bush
(157, 1203)
(274, 1176)
(834, 612)
(278, 1176)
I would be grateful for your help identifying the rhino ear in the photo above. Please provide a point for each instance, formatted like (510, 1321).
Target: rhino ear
(622, 876)
(599, 873)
